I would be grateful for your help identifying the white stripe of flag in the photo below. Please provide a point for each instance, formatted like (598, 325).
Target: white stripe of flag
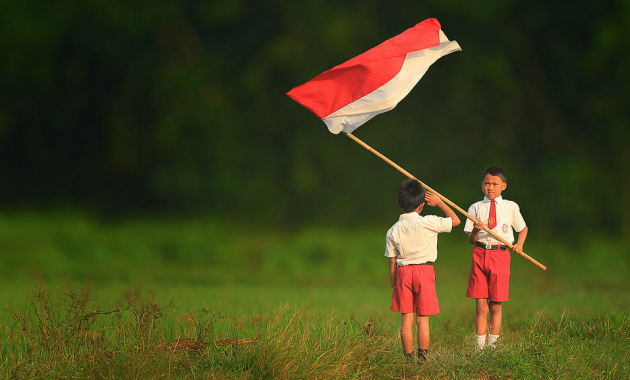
(374, 82)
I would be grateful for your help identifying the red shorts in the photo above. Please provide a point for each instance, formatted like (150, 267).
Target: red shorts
(415, 290)
(489, 274)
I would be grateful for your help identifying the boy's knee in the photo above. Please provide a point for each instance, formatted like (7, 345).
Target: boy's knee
(407, 320)
(482, 312)
(482, 306)
(422, 320)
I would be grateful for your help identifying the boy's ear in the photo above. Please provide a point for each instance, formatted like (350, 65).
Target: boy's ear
(419, 209)
(504, 186)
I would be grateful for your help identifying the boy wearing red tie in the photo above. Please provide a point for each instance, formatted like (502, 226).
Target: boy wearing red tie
(489, 278)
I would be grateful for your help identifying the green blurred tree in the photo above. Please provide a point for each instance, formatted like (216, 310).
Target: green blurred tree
(181, 107)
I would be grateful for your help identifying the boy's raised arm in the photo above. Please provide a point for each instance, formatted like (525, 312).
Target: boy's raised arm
(434, 200)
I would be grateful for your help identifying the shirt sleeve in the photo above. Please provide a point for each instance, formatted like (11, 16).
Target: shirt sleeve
(440, 224)
(517, 219)
(468, 226)
(390, 246)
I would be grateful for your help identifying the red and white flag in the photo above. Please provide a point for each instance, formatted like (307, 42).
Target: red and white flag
(348, 95)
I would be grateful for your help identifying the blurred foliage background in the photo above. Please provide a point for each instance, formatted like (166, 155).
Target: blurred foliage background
(178, 108)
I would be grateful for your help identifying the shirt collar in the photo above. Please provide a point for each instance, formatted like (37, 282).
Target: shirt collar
(497, 199)
(408, 215)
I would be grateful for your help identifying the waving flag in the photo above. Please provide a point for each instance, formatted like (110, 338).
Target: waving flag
(348, 95)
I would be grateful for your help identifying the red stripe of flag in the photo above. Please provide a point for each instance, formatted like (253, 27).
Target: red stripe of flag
(362, 75)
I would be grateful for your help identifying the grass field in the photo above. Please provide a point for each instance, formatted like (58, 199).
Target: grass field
(194, 299)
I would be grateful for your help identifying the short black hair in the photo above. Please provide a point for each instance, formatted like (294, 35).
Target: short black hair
(495, 171)
(411, 195)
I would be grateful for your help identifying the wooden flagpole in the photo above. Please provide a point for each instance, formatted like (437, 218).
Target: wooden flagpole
(403, 171)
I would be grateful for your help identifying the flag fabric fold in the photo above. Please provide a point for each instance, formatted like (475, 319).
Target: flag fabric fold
(348, 95)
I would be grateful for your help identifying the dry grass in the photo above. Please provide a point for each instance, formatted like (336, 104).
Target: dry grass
(61, 335)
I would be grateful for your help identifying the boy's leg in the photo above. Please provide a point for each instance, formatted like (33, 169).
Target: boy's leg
(406, 332)
(496, 314)
(423, 332)
(481, 316)
(481, 322)
(424, 337)
(499, 289)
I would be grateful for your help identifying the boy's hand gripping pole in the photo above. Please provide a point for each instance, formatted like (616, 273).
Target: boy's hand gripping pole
(403, 171)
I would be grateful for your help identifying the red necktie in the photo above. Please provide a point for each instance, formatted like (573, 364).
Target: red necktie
(492, 221)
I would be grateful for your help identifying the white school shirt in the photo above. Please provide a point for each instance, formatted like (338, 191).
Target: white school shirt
(413, 239)
(508, 217)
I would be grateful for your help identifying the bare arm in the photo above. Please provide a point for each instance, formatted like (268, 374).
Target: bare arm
(434, 200)
(473, 236)
(392, 271)
(518, 247)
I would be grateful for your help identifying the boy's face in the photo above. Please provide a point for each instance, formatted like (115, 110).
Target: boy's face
(492, 186)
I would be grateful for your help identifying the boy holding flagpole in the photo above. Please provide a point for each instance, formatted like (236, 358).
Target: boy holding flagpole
(489, 279)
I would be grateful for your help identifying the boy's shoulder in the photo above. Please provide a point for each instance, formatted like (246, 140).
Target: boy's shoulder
(477, 204)
(418, 221)
(433, 217)
(507, 201)
(406, 219)
(510, 203)
(417, 218)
